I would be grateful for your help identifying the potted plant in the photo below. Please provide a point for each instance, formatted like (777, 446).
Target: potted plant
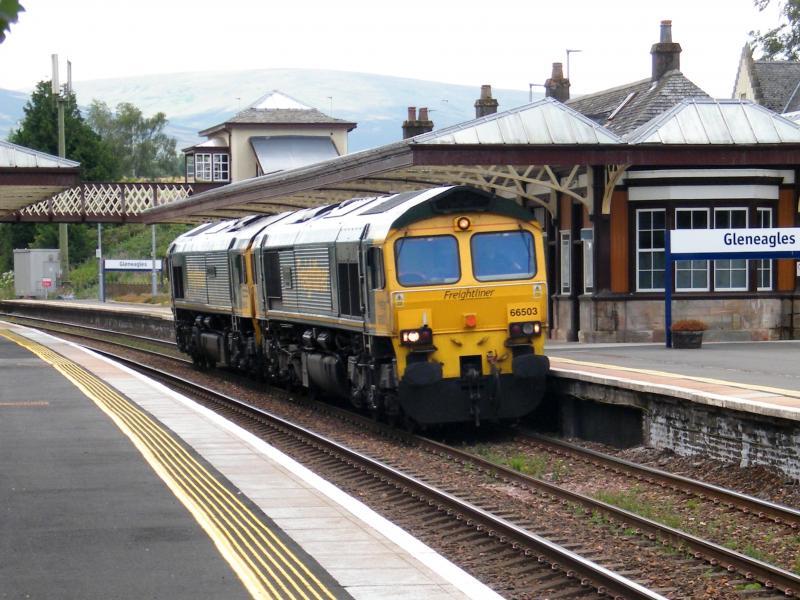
(688, 333)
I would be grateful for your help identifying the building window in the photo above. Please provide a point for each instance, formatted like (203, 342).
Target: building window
(691, 275)
(650, 230)
(566, 261)
(222, 171)
(190, 166)
(764, 267)
(730, 275)
(202, 167)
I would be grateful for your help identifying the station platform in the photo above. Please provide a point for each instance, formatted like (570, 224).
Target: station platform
(752, 377)
(113, 486)
(150, 310)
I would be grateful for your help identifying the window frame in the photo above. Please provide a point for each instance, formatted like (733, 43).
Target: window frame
(201, 167)
(652, 249)
(492, 279)
(717, 268)
(765, 265)
(221, 166)
(426, 284)
(679, 265)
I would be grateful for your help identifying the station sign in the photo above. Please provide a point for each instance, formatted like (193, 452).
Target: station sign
(132, 265)
(47, 282)
(784, 240)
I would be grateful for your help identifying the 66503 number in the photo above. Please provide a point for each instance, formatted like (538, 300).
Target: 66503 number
(524, 311)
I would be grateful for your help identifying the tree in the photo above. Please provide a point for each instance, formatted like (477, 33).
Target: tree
(145, 151)
(39, 130)
(782, 41)
(9, 9)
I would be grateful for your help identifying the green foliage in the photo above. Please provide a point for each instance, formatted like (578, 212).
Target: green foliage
(9, 9)
(6, 285)
(632, 501)
(39, 130)
(782, 41)
(144, 149)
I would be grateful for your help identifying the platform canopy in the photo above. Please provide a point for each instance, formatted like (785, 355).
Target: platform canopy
(533, 153)
(399, 167)
(701, 121)
(29, 176)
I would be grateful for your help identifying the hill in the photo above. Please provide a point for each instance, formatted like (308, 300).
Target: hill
(195, 101)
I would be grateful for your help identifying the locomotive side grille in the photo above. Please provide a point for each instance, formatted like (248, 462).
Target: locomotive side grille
(219, 290)
(196, 290)
(313, 280)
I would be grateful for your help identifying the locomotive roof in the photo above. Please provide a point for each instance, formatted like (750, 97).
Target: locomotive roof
(223, 235)
(367, 218)
(372, 218)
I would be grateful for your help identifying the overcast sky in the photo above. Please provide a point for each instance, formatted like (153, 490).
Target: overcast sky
(506, 43)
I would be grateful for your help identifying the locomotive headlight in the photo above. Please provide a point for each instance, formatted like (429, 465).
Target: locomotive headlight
(463, 223)
(525, 329)
(416, 337)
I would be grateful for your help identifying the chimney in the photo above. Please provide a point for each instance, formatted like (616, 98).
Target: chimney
(485, 105)
(415, 125)
(666, 53)
(557, 86)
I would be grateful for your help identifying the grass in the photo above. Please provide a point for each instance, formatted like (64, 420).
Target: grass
(749, 586)
(632, 501)
(693, 503)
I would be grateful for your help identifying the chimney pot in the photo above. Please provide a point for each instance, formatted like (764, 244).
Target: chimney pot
(423, 114)
(666, 31)
(558, 71)
(412, 113)
(485, 105)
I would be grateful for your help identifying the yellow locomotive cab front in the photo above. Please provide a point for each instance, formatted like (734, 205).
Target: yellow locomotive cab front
(469, 301)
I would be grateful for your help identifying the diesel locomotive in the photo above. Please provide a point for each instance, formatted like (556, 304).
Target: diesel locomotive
(427, 306)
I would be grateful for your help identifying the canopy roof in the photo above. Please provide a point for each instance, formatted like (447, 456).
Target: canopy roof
(530, 153)
(28, 176)
(717, 122)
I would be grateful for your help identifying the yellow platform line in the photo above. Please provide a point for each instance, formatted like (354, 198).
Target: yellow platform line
(253, 550)
(733, 384)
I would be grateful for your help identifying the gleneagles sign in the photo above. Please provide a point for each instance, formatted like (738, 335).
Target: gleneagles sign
(740, 243)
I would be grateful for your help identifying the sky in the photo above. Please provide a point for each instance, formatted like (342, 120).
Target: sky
(505, 43)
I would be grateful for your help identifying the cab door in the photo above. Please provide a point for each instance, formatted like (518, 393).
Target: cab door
(238, 282)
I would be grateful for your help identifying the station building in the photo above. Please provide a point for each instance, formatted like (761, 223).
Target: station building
(608, 267)
(607, 174)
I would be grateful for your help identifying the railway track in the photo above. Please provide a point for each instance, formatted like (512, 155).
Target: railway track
(777, 513)
(543, 564)
(516, 545)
